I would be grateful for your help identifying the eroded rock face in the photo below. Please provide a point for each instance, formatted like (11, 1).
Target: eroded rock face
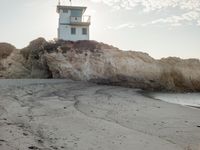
(11, 62)
(101, 63)
(106, 64)
(5, 50)
(35, 61)
(179, 74)
(25, 63)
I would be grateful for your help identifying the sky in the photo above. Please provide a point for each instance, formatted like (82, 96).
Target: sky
(161, 28)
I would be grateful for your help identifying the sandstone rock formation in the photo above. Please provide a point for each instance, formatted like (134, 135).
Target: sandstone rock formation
(101, 63)
(180, 74)
(104, 64)
(11, 62)
(6, 50)
(25, 63)
(34, 58)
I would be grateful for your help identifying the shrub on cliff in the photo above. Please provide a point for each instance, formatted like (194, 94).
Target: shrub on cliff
(34, 59)
(33, 49)
(5, 50)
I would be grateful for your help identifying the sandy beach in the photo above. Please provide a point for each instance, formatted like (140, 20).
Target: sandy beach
(68, 115)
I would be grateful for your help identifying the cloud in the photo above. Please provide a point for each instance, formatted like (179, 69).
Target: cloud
(150, 5)
(122, 26)
(189, 10)
(128, 4)
(198, 22)
(175, 20)
(192, 17)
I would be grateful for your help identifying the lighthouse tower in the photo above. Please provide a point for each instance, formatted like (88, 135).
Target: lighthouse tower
(73, 25)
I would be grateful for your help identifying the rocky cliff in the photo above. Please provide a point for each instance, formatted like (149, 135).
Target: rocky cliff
(99, 63)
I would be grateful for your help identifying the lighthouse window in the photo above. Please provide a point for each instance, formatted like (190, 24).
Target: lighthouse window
(84, 31)
(73, 30)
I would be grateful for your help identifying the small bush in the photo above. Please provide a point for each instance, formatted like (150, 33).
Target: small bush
(51, 47)
(34, 48)
(5, 50)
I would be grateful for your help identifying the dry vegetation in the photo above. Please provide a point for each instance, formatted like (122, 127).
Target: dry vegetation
(5, 50)
(33, 49)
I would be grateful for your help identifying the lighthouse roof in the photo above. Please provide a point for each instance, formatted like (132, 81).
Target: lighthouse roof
(63, 7)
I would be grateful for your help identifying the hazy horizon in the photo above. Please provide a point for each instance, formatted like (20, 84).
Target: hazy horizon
(160, 28)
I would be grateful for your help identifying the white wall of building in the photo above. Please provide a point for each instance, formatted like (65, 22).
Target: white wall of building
(64, 17)
(65, 25)
(64, 33)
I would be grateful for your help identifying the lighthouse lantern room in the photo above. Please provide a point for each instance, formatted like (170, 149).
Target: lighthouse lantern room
(73, 25)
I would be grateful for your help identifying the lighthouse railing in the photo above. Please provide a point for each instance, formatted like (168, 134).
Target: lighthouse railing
(86, 18)
(83, 19)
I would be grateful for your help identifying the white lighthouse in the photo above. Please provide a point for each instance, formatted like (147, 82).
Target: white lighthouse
(73, 25)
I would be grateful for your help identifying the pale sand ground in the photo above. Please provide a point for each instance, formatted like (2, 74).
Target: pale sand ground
(62, 114)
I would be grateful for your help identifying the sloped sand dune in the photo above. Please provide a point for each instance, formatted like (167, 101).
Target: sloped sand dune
(68, 115)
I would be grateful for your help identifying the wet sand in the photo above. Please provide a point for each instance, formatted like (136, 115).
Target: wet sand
(186, 99)
(68, 115)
